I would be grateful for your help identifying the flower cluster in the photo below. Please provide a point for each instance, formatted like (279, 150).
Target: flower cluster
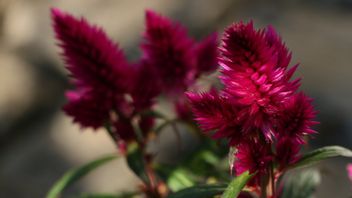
(109, 90)
(259, 111)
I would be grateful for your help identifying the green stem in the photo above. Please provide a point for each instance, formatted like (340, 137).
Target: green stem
(273, 189)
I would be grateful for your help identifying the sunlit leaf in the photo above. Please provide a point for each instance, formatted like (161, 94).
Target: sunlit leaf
(236, 185)
(322, 154)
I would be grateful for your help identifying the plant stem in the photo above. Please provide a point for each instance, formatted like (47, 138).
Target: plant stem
(273, 189)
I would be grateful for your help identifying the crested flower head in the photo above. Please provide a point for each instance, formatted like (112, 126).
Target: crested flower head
(296, 119)
(216, 113)
(206, 53)
(259, 110)
(254, 157)
(349, 171)
(176, 56)
(169, 49)
(287, 151)
(255, 75)
(97, 66)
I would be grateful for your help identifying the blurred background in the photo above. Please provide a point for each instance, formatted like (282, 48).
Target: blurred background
(38, 143)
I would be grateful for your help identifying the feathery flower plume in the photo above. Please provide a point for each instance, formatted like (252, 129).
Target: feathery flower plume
(259, 110)
(97, 66)
(255, 76)
(296, 119)
(178, 59)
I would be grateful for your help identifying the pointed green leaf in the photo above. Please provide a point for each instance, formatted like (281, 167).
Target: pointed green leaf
(203, 191)
(135, 161)
(237, 184)
(321, 154)
(75, 174)
(122, 195)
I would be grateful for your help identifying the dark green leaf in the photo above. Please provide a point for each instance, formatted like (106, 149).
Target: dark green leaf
(75, 174)
(302, 185)
(135, 161)
(122, 195)
(321, 154)
(237, 184)
(204, 191)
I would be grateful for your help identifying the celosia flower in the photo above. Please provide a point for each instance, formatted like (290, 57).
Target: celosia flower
(86, 109)
(216, 113)
(177, 57)
(254, 157)
(287, 151)
(259, 110)
(349, 171)
(97, 66)
(297, 117)
(146, 86)
(255, 76)
(206, 53)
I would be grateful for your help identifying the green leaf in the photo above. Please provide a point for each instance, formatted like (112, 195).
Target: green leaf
(237, 184)
(135, 161)
(122, 195)
(75, 174)
(180, 179)
(321, 154)
(302, 185)
(203, 191)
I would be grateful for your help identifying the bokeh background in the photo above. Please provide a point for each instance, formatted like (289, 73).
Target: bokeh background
(38, 143)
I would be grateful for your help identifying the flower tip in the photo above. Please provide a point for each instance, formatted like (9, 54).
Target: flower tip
(56, 12)
(151, 15)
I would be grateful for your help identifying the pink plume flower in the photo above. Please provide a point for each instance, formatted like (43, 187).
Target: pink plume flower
(215, 113)
(287, 152)
(254, 157)
(296, 120)
(349, 171)
(167, 47)
(97, 66)
(206, 53)
(87, 110)
(259, 110)
(255, 75)
(177, 57)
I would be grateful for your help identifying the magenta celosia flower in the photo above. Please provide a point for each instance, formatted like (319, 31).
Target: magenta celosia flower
(349, 171)
(146, 86)
(97, 66)
(206, 53)
(254, 157)
(255, 76)
(287, 151)
(177, 57)
(259, 110)
(296, 119)
(86, 109)
(216, 113)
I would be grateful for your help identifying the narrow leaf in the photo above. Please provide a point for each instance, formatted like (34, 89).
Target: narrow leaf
(136, 162)
(121, 195)
(203, 191)
(322, 154)
(75, 174)
(235, 187)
